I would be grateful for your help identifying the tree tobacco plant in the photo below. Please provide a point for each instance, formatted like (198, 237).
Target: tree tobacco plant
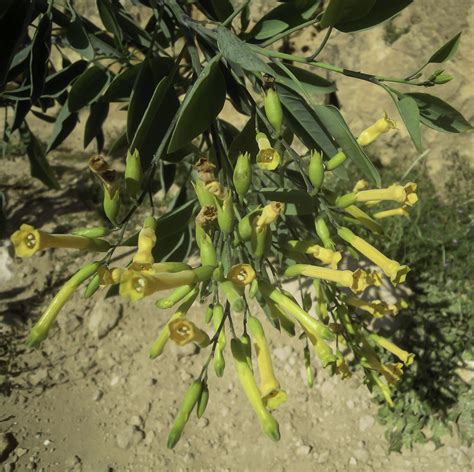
(258, 204)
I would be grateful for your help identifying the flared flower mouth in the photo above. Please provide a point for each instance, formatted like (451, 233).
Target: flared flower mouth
(26, 241)
(359, 281)
(397, 273)
(268, 159)
(241, 274)
(133, 285)
(275, 398)
(183, 332)
(410, 194)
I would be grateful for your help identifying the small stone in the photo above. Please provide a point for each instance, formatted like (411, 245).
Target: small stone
(103, 317)
(323, 457)
(46, 442)
(350, 404)
(129, 437)
(7, 444)
(114, 380)
(366, 422)
(185, 376)
(282, 353)
(38, 377)
(149, 438)
(361, 455)
(303, 450)
(69, 323)
(20, 452)
(135, 421)
(98, 394)
(203, 422)
(353, 461)
(429, 446)
(73, 464)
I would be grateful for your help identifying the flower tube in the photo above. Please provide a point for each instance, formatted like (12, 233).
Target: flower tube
(370, 134)
(28, 240)
(401, 211)
(395, 271)
(406, 357)
(146, 243)
(183, 332)
(405, 194)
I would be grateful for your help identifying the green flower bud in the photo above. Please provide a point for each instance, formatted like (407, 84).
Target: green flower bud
(246, 344)
(111, 203)
(439, 77)
(316, 170)
(208, 314)
(242, 174)
(322, 231)
(133, 173)
(176, 296)
(346, 200)
(219, 361)
(191, 397)
(337, 160)
(203, 400)
(97, 232)
(207, 251)
(244, 228)
(225, 214)
(92, 286)
(308, 368)
(233, 295)
(273, 110)
(205, 197)
(253, 288)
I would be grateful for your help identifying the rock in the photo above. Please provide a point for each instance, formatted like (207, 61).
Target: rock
(350, 404)
(135, 421)
(68, 323)
(429, 446)
(130, 436)
(38, 376)
(187, 350)
(6, 262)
(73, 464)
(361, 455)
(353, 461)
(282, 353)
(303, 450)
(98, 394)
(7, 444)
(103, 317)
(203, 422)
(323, 457)
(365, 423)
(20, 452)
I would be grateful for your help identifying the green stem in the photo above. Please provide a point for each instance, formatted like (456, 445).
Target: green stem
(287, 32)
(230, 19)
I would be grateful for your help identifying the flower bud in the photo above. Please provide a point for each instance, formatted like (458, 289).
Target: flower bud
(244, 228)
(273, 110)
(316, 170)
(225, 214)
(133, 173)
(253, 289)
(337, 160)
(439, 77)
(204, 196)
(308, 368)
(242, 174)
(175, 297)
(322, 231)
(232, 295)
(203, 400)
(207, 251)
(92, 287)
(370, 134)
(111, 203)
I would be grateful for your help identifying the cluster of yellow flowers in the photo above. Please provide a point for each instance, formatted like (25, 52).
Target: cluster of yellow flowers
(227, 221)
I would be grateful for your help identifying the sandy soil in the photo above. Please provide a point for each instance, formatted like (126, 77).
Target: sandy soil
(91, 400)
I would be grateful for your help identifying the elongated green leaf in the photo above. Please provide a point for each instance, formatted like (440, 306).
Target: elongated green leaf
(122, 85)
(304, 122)
(339, 11)
(446, 51)
(156, 119)
(411, 117)
(87, 87)
(381, 11)
(39, 58)
(39, 166)
(97, 116)
(438, 115)
(237, 51)
(201, 105)
(65, 122)
(78, 37)
(107, 12)
(244, 141)
(13, 25)
(119, 146)
(150, 73)
(311, 83)
(335, 124)
(217, 9)
(297, 202)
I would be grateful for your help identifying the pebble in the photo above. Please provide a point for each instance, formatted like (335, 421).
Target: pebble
(429, 446)
(303, 450)
(98, 394)
(350, 404)
(353, 461)
(361, 455)
(135, 421)
(20, 452)
(323, 457)
(130, 436)
(38, 376)
(203, 422)
(103, 317)
(366, 422)
(187, 350)
(69, 323)
(73, 464)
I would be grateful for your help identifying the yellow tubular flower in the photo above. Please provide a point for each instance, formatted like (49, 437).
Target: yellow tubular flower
(395, 271)
(267, 157)
(326, 256)
(393, 212)
(405, 194)
(241, 274)
(272, 395)
(356, 281)
(370, 134)
(29, 240)
(406, 357)
(370, 359)
(268, 424)
(385, 389)
(109, 276)
(183, 332)
(361, 184)
(269, 214)
(376, 308)
(146, 243)
(321, 302)
(364, 219)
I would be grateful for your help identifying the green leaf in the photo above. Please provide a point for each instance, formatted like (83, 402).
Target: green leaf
(297, 202)
(158, 115)
(438, 115)
(310, 82)
(244, 141)
(217, 9)
(13, 25)
(235, 50)
(107, 13)
(65, 122)
(78, 37)
(122, 84)
(39, 166)
(119, 146)
(339, 11)
(304, 122)
(201, 105)
(150, 73)
(87, 87)
(97, 116)
(410, 114)
(39, 58)
(446, 51)
(335, 124)
(382, 10)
